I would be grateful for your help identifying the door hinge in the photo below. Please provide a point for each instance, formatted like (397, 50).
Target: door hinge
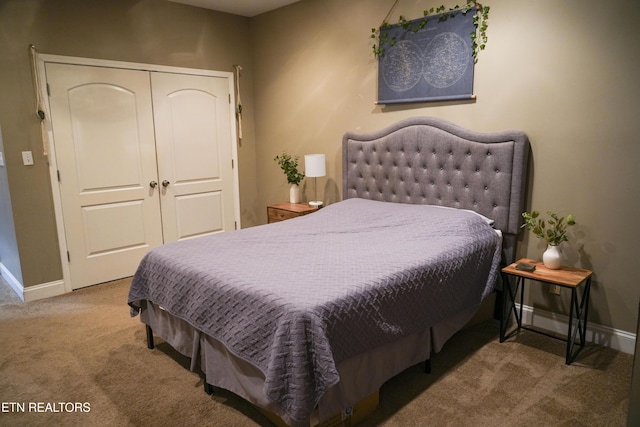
(48, 90)
(58, 173)
(232, 164)
(235, 225)
(229, 98)
(68, 256)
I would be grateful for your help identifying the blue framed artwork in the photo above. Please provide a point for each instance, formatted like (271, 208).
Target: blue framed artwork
(432, 63)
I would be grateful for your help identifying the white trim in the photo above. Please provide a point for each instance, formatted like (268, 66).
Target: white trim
(42, 59)
(44, 290)
(12, 281)
(32, 293)
(605, 336)
(234, 151)
(53, 178)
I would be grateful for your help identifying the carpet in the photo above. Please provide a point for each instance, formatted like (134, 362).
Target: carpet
(80, 360)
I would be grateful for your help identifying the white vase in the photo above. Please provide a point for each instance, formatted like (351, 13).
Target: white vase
(294, 194)
(552, 257)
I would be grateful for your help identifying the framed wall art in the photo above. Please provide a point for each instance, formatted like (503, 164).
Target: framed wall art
(432, 60)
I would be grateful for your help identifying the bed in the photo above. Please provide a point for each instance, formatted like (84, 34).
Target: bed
(308, 316)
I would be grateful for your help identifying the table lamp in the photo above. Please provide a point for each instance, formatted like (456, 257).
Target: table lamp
(314, 166)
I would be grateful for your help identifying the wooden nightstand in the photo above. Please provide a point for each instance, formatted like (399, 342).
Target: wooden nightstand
(283, 211)
(565, 277)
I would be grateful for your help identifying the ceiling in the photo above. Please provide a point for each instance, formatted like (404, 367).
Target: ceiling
(247, 8)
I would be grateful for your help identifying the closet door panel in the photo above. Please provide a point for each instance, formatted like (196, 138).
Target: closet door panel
(194, 149)
(105, 153)
(144, 158)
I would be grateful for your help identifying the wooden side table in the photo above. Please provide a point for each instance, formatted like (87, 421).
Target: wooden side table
(566, 277)
(283, 211)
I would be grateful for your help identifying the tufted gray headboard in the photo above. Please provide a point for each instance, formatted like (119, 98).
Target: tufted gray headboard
(426, 160)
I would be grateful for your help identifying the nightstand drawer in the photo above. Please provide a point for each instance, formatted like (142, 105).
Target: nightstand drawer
(284, 211)
(276, 215)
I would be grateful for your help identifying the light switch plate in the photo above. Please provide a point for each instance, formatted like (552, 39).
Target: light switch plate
(27, 158)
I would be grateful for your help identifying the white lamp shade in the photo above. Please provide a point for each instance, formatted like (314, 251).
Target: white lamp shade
(314, 165)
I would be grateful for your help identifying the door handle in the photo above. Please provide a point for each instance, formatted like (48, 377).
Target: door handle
(153, 184)
(165, 183)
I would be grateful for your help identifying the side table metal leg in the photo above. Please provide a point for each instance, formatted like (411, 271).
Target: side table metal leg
(585, 309)
(571, 330)
(521, 283)
(509, 295)
(581, 311)
(505, 303)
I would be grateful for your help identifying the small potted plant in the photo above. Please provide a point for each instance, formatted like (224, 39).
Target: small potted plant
(553, 231)
(290, 167)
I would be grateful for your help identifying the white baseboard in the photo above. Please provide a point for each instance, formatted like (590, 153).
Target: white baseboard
(12, 281)
(603, 335)
(32, 293)
(44, 290)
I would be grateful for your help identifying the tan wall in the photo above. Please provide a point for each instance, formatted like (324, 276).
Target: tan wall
(565, 72)
(142, 31)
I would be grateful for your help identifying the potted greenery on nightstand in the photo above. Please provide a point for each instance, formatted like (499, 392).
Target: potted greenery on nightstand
(553, 231)
(290, 167)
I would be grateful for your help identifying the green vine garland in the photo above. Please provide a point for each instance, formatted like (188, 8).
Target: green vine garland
(478, 37)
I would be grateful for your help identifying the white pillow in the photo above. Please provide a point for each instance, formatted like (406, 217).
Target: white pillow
(487, 220)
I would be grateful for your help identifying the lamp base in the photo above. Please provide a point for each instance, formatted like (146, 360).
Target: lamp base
(316, 203)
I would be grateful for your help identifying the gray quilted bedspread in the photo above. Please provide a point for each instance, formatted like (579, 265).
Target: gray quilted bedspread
(295, 298)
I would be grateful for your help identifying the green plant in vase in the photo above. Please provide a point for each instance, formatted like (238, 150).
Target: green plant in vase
(553, 230)
(289, 166)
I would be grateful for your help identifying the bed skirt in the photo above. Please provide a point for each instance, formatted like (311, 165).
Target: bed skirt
(360, 376)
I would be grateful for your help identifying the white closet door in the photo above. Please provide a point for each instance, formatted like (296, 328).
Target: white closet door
(194, 148)
(105, 152)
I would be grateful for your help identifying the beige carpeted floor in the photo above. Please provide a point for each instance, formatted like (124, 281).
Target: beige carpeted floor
(83, 347)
